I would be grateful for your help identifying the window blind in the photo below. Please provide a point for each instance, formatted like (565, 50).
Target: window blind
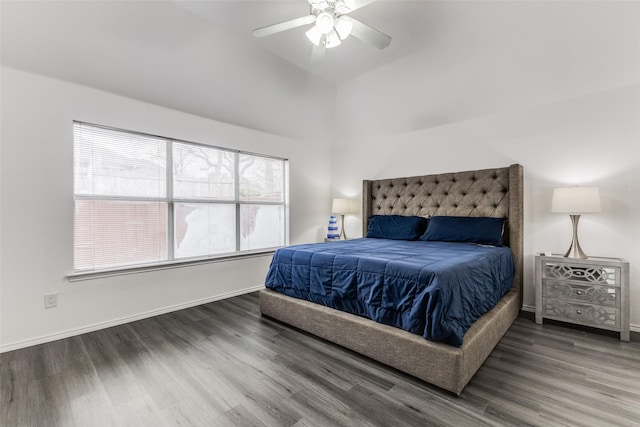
(144, 199)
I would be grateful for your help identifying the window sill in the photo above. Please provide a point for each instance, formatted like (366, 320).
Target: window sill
(121, 271)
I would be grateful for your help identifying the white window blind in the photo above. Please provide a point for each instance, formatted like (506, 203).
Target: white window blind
(142, 199)
(261, 199)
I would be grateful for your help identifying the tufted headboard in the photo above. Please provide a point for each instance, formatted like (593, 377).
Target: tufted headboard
(488, 192)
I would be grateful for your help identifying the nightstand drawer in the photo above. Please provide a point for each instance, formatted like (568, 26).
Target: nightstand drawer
(580, 273)
(586, 314)
(568, 291)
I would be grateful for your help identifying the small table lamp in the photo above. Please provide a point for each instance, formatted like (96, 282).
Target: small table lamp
(341, 207)
(575, 201)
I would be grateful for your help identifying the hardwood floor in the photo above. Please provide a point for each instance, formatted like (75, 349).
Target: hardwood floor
(222, 364)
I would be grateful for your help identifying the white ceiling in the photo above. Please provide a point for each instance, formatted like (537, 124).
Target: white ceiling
(42, 34)
(162, 53)
(409, 23)
(200, 57)
(448, 61)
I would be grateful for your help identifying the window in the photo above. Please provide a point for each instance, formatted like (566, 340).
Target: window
(142, 199)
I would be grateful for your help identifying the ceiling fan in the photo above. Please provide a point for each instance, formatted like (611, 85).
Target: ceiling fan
(332, 26)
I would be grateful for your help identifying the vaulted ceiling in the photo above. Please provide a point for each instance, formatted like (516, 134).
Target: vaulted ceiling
(409, 23)
(200, 56)
(448, 61)
(68, 34)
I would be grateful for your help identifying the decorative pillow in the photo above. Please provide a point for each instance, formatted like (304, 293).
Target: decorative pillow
(396, 227)
(483, 230)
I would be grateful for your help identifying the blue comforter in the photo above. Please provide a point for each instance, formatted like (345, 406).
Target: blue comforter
(434, 289)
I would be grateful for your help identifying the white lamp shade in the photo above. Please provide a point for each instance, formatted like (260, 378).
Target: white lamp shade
(315, 37)
(332, 39)
(575, 200)
(324, 22)
(344, 25)
(341, 206)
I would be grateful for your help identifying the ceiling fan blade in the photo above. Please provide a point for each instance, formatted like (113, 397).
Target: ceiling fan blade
(370, 35)
(317, 54)
(357, 4)
(283, 26)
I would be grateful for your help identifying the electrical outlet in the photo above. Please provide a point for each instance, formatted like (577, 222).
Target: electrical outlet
(50, 300)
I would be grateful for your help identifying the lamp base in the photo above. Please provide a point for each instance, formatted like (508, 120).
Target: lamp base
(342, 236)
(575, 251)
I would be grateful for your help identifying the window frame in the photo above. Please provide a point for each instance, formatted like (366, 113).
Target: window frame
(171, 261)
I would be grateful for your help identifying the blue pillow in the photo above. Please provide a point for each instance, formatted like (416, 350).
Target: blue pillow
(396, 227)
(483, 230)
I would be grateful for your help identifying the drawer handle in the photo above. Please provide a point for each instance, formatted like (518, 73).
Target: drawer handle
(579, 311)
(579, 292)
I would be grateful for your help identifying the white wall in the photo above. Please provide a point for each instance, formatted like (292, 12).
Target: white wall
(37, 210)
(554, 86)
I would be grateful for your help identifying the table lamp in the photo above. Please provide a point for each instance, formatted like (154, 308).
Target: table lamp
(341, 207)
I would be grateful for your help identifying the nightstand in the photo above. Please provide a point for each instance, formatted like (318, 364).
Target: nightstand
(592, 292)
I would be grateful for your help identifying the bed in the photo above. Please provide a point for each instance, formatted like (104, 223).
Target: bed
(495, 193)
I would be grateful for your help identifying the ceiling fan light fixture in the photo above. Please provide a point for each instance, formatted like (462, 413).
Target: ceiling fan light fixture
(331, 26)
(333, 39)
(314, 35)
(324, 22)
(343, 26)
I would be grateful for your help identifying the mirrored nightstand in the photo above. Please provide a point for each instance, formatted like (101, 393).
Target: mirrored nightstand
(592, 292)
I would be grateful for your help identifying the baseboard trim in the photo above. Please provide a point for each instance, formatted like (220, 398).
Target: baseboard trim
(127, 319)
(103, 325)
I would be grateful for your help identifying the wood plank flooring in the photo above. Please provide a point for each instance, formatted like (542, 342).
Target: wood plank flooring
(222, 364)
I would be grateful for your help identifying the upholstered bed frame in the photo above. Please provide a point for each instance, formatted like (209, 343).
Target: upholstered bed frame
(488, 192)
